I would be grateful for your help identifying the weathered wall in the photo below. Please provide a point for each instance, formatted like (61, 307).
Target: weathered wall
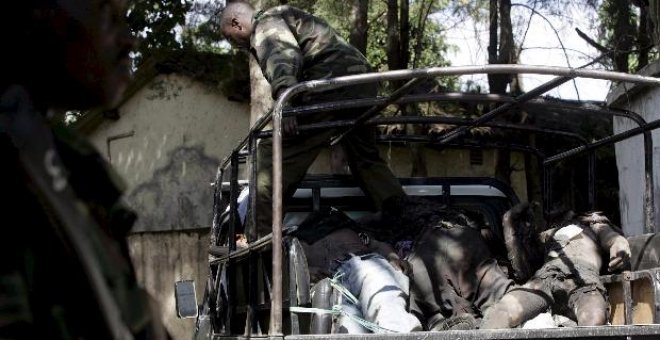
(160, 259)
(167, 145)
(630, 153)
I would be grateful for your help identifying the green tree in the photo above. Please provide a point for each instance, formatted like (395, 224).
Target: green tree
(154, 23)
(625, 34)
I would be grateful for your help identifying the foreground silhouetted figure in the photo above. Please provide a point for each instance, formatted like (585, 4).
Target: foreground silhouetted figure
(65, 271)
(569, 280)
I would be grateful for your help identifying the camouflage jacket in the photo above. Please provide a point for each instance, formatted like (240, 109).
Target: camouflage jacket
(60, 212)
(293, 46)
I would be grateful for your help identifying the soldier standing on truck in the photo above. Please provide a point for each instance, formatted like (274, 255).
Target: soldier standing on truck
(293, 46)
(65, 271)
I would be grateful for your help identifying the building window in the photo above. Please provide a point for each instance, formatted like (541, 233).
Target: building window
(476, 157)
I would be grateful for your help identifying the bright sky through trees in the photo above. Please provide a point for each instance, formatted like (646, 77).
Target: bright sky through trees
(541, 46)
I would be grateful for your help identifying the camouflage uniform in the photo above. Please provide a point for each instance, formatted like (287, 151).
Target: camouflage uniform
(292, 46)
(56, 193)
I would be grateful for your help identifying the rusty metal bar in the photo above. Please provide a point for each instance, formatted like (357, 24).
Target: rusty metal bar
(649, 197)
(275, 328)
(375, 110)
(591, 175)
(328, 84)
(217, 206)
(535, 92)
(432, 120)
(253, 194)
(414, 98)
(649, 207)
(250, 227)
(627, 298)
(605, 141)
(233, 198)
(636, 332)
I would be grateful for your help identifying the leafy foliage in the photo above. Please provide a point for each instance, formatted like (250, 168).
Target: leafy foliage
(434, 47)
(624, 32)
(155, 22)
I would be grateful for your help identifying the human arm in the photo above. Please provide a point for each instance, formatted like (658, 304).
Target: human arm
(278, 53)
(610, 240)
(280, 59)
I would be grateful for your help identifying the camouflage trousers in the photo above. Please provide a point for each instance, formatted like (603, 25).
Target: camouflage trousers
(298, 153)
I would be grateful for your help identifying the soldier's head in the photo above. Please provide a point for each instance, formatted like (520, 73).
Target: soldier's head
(67, 53)
(236, 23)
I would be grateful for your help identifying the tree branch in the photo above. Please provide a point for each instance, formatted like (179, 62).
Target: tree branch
(568, 62)
(599, 47)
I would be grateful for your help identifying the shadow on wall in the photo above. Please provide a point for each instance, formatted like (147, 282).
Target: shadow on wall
(179, 195)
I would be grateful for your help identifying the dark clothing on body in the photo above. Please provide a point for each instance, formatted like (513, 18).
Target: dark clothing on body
(65, 270)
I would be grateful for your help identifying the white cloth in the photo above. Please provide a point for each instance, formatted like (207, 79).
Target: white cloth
(382, 292)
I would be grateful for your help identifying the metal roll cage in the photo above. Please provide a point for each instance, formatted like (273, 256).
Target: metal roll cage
(529, 99)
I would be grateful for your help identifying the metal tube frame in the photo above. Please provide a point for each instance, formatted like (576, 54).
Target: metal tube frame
(276, 114)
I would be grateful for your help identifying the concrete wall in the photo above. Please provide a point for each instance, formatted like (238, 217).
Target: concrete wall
(161, 259)
(167, 145)
(630, 152)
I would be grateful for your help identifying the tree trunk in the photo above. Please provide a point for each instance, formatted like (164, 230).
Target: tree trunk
(358, 38)
(359, 15)
(404, 33)
(654, 15)
(421, 27)
(417, 151)
(507, 47)
(393, 54)
(624, 36)
(643, 36)
(500, 52)
(493, 81)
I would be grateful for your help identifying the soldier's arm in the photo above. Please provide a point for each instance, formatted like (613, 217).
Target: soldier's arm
(610, 239)
(278, 53)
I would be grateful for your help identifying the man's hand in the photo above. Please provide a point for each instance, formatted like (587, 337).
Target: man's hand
(619, 255)
(289, 126)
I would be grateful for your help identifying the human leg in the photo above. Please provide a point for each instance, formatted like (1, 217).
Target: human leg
(518, 305)
(492, 284)
(589, 305)
(368, 168)
(381, 291)
(344, 322)
(297, 155)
